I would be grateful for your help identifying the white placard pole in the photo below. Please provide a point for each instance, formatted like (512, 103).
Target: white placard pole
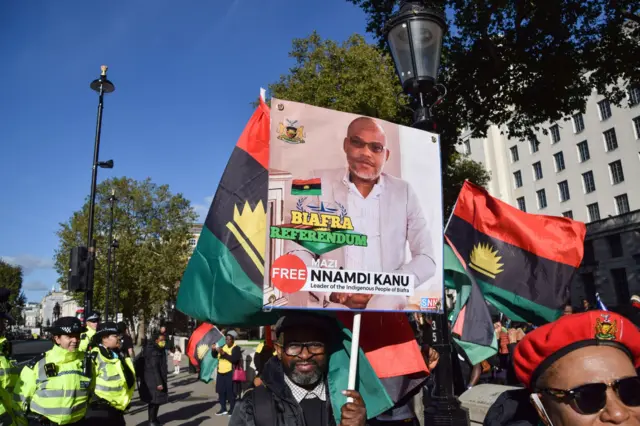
(353, 357)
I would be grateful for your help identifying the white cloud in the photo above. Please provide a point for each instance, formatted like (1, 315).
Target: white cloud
(29, 263)
(203, 209)
(35, 286)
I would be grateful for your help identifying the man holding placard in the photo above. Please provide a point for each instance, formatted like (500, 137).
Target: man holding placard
(295, 389)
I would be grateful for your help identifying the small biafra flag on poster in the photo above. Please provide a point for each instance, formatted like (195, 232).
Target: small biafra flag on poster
(306, 187)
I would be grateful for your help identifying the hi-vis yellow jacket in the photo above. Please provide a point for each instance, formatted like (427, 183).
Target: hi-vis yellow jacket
(85, 339)
(8, 378)
(55, 386)
(111, 384)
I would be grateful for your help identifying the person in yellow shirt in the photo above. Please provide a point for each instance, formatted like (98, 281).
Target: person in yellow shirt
(115, 378)
(228, 355)
(87, 337)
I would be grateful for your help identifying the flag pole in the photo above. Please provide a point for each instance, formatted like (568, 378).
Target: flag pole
(353, 357)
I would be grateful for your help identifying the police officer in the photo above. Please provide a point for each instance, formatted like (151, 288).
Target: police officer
(8, 371)
(87, 337)
(115, 378)
(54, 388)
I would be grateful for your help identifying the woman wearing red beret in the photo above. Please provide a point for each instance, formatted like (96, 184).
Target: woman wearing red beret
(582, 370)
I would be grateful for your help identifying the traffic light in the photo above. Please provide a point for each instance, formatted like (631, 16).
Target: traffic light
(78, 269)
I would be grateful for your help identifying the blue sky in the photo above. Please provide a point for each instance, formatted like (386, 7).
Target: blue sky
(185, 75)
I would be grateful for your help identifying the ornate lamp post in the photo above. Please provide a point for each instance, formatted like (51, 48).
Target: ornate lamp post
(101, 85)
(415, 38)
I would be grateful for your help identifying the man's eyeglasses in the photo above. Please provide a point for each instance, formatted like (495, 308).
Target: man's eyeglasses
(295, 348)
(592, 397)
(375, 147)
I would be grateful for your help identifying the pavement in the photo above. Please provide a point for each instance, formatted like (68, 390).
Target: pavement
(191, 403)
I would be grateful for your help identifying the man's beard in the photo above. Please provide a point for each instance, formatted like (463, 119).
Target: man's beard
(303, 379)
(367, 176)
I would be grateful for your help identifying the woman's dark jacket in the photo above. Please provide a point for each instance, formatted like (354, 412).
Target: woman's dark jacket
(155, 374)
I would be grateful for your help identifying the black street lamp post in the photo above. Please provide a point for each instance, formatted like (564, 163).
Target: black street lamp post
(415, 38)
(107, 293)
(102, 86)
(115, 245)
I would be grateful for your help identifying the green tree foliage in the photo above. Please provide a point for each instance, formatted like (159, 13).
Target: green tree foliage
(152, 227)
(359, 78)
(11, 278)
(523, 63)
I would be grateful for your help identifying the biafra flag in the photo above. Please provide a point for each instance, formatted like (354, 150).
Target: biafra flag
(223, 280)
(306, 187)
(523, 263)
(200, 341)
(472, 326)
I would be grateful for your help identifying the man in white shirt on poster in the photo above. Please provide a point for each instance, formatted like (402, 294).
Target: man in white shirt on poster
(382, 207)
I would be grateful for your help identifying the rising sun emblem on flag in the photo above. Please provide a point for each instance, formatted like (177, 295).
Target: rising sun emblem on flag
(201, 351)
(485, 259)
(249, 226)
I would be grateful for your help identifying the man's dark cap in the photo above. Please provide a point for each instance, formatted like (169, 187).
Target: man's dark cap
(94, 317)
(306, 320)
(106, 329)
(67, 326)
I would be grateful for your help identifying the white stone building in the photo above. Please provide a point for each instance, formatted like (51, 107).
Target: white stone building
(587, 168)
(31, 314)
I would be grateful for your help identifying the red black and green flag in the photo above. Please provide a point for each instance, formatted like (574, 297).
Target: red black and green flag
(306, 187)
(223, 280)
(472, 324)
(202, 338)
(523, 263)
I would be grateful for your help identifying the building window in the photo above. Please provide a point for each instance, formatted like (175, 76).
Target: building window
(537, 171)
(588, 182)
(594, 212)
(555, 133)
(604, 109)
(563, 188)
(514, 154)
(636, 126)
(622, 204)
(617, 175)
(517, 179)
(583, 151)
(568, 214)
(634, 96)
(534, 144)
(578, 123)
(521, 204)
(467, 146)
(542, 199)
(192, 242)
(615, 245)
(610, 140)
(559, 159)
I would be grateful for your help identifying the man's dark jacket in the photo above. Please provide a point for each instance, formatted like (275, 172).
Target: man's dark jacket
(285, 409)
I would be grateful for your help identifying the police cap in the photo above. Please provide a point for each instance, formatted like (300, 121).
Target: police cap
(106, 329)
(67, 326)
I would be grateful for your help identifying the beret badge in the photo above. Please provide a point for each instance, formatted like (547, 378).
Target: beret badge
(605, 329)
